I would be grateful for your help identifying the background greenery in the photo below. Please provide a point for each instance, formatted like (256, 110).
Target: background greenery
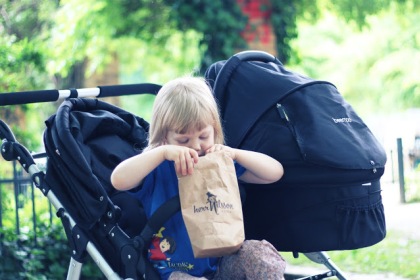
(396, 254)
(369, 49)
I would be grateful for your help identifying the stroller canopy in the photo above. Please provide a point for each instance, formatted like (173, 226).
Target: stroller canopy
(84, 141)
(232, 86)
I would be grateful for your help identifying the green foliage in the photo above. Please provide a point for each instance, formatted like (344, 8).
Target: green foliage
(178, 56)
(22, 59)
(40, 254)
(375, 69)
(7, 203)
(140, 33)
(285, 17)
(21, 64)
(46, 257)
(220, 22)
(139, 105)
(396, 254)
(412, 185)
(21, 50)
(23, 259)
(359, 11)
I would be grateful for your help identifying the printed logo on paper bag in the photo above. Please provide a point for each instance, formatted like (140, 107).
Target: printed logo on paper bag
(213, 205)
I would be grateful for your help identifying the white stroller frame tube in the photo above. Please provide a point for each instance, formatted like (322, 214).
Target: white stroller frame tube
(323, 258)
(83, 92)
(12, 150)
(75, 267)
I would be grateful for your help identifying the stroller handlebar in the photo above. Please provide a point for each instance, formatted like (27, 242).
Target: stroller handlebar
(227, 70)
(6, 133)
(255, 56)
(13, 150)
(39, 96)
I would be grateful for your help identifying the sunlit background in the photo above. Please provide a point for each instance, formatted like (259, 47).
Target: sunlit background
(369, 49)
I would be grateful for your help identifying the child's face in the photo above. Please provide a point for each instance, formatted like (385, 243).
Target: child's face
(199, 140)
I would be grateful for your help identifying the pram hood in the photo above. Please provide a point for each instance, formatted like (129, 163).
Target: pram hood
(87, 137)
(234, 86)
(246, 90)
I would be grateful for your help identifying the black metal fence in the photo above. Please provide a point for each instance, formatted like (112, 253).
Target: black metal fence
(24, 195)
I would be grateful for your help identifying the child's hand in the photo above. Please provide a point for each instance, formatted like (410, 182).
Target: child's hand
(225, 149)
(183, 157)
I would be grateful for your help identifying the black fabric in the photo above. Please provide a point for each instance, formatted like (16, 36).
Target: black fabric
(133, 217)
(84, 141)
(332, 161)
(119, 90)
(73, 93)
(311, 218)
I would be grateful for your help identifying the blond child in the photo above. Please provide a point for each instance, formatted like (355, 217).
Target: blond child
(185, 126)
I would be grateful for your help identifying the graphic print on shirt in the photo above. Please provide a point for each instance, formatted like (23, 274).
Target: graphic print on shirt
(161, 252)
(161, 248)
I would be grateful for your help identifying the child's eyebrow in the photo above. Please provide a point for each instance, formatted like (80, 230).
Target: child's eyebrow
(180, 135)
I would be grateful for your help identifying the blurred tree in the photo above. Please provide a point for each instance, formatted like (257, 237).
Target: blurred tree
(160, 38)
(22, 60)
(141, 33)
(376, 68)
(21, 50)
(95, 29)
(219, 22)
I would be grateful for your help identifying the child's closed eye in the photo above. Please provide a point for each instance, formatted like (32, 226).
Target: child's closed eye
(182, 141)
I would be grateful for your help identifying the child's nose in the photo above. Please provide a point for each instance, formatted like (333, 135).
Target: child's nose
(196, 145)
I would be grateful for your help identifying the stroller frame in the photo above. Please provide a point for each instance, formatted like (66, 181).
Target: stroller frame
(12, 150)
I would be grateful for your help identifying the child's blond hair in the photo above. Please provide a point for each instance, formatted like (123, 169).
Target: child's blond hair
(183, 104)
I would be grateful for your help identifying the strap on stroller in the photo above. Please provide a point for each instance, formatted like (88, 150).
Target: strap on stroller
(155, 222)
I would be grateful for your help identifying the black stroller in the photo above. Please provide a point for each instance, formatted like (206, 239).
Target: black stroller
(85, 140)
(330, 195)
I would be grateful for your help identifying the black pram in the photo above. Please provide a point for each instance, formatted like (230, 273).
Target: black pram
(330, 195)
(84, 141)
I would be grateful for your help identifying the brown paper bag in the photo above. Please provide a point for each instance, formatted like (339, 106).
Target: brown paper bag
(211, 207)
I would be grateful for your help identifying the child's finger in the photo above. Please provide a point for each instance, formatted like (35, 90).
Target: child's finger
(210, 150)
(194, 156)
(186, 162)
(191, 160)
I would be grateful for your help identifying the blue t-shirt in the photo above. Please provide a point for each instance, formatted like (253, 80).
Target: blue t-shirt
(170, 249)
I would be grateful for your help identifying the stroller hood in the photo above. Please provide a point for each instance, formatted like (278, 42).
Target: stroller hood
(87, 137)
(234, 89)
(315, 111)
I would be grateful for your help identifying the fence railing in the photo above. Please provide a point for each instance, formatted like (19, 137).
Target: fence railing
(19, 193)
